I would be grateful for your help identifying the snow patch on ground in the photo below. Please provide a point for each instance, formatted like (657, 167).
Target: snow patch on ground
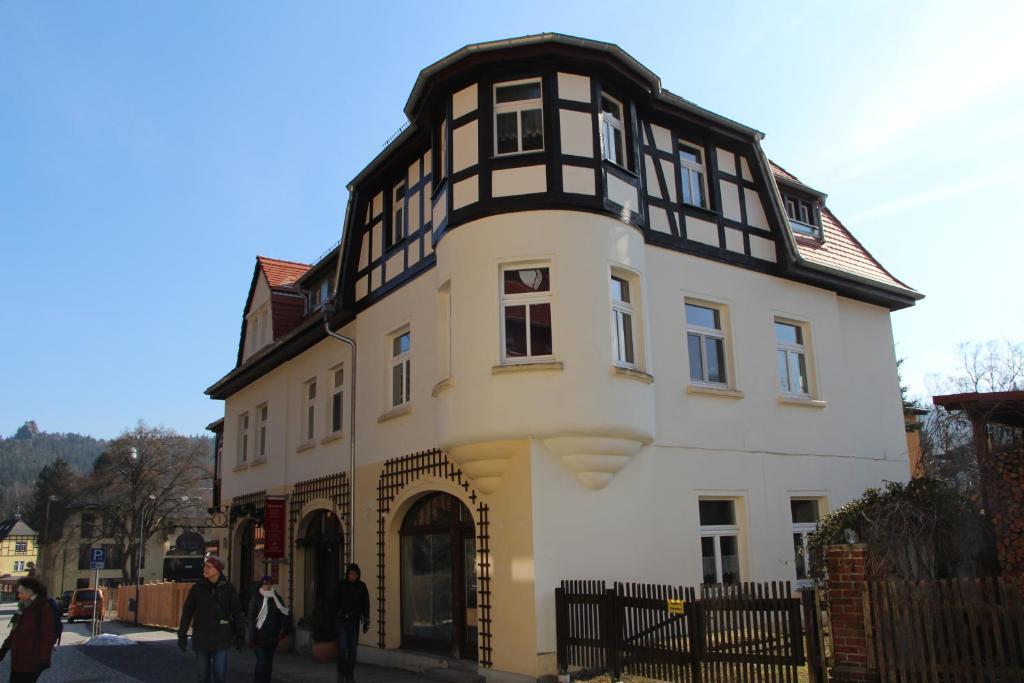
(109, 639)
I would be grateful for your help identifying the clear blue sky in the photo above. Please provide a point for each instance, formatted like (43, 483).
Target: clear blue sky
(148, 152)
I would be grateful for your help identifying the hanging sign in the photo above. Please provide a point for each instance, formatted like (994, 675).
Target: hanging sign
(274, 529)
(674, 606)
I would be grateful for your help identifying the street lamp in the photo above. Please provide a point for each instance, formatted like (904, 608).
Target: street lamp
(138, 559)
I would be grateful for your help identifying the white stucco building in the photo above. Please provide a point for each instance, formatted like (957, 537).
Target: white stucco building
(599, 335)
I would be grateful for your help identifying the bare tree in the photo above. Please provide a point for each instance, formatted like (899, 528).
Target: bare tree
(147, 479)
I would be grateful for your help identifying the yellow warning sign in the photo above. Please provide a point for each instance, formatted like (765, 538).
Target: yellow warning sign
(675, 606)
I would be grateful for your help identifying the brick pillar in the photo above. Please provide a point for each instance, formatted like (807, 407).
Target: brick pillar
(845, 585)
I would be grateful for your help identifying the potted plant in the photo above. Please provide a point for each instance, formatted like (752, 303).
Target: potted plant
(325, 636)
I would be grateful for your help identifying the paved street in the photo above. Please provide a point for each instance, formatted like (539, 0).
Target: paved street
(156, 659)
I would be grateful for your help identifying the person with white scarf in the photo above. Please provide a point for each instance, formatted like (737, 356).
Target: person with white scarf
(269, 621)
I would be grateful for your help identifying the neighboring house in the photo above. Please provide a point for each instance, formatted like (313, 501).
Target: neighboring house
(18, 553)
(599, 335)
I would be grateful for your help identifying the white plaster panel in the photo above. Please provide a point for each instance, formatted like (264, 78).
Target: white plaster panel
(376, 240)
(440, 209)
(413, 211)
(622, 193)
(426, 163)
(465, 192)
(662, 138)
(653, 187)
(763, 249)
(376, 278)
(578, 180)
(428, 245)
(573, 87)
(396, 265)
(726, 161)
(364, 252)
(464, 101)
(730, 200)
(414, 253)
(413, 176)
(745, 169)
(670, 178)
(755, 211)
(362, 286)
(465, 146)
(734, 240)
(659, 220)
(703, 231)
(378, 204)
(577, 131)
(514, 181)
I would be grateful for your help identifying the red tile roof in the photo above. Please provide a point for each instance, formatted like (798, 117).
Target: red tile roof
(838, 249)
(282, 274)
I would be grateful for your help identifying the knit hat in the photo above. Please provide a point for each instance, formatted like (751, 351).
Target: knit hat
(216, 562)
(354, 568)
(266, 578)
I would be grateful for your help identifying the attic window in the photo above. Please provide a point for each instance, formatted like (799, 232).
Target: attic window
(319, 294)
(804, 217)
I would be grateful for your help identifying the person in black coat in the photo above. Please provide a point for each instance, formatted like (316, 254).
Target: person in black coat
(268, 621)
(214, 611)
(351, 607)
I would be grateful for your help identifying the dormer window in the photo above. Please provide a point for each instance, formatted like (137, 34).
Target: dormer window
(319, 294)
(803, 215)
(397, 232)
(518, 117)
(692, 175)
(613, 137)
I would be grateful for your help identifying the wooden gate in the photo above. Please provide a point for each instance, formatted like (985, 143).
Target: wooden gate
(748, 632)
(946, 630)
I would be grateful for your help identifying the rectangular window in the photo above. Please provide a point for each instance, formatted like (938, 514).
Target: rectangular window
(526, 314)
(692, 175)
(243, 439)
(261, 436)
(613, 137)
(397, 233)
(803, 216)
(84, 556)
(337, 400)
(401, 365)
(19, 565)
(706, 344)
(518, 117)
(21, 547)
(792, 358)
(805, 516)
(88, 525)
(622, 322)
(310, 413)
(442, 152)
(719, 541)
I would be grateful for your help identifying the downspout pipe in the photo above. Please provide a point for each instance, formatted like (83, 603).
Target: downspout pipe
(351, 437)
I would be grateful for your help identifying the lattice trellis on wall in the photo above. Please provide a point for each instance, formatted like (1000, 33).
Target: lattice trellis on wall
(396, 475)
(333, 487)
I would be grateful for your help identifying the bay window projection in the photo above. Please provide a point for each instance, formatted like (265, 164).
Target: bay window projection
(706, 344)
(526, 314)
(719, 541)
(518, 117)
(400, 369)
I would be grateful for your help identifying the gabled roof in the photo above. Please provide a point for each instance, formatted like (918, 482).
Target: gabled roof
(282, 275)
(287, 305)
(15, 527)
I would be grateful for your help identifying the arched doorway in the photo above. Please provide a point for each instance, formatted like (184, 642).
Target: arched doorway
(439, 601)
(251, 565)
(322, 548)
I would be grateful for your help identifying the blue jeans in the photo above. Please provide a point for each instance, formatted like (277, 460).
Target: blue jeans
(348, 641)
(264, 662)
(213, 665)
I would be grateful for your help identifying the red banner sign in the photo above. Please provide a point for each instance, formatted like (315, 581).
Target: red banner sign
(274, 529)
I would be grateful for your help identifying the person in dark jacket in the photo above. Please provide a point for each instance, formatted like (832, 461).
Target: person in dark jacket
(213, 609)
(352, 607)
(268, 621)
(33, 633)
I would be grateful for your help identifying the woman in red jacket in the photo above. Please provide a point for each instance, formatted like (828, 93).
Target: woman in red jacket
(33, 633)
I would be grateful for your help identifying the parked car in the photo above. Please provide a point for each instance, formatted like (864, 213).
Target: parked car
(65, 601)
(83, 602)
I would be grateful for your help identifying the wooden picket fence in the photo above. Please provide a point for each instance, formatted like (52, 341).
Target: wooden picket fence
(946, 630)
(748, 632)
(159, 603)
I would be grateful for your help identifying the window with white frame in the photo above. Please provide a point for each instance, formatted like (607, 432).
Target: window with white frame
(337, 399)
(692, 174)
(518, 117)
(791, 352)
(706, 343)
(623, 317)
(261, 435)
(401, 366)
(21, 547)
(719, 541)
(805, 515)
(613, 136)
(243, 438)
(19, 565)
(803, 215)
(397, 215)
(309, 428)
(526, 313)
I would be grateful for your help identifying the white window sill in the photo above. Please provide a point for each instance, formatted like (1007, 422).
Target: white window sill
(240, 467)
(527, 367)
(332, 437)
(399, 411)
(633, 373)
(305, 446)
(803, 401)
(442, 386)
(720, 392)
